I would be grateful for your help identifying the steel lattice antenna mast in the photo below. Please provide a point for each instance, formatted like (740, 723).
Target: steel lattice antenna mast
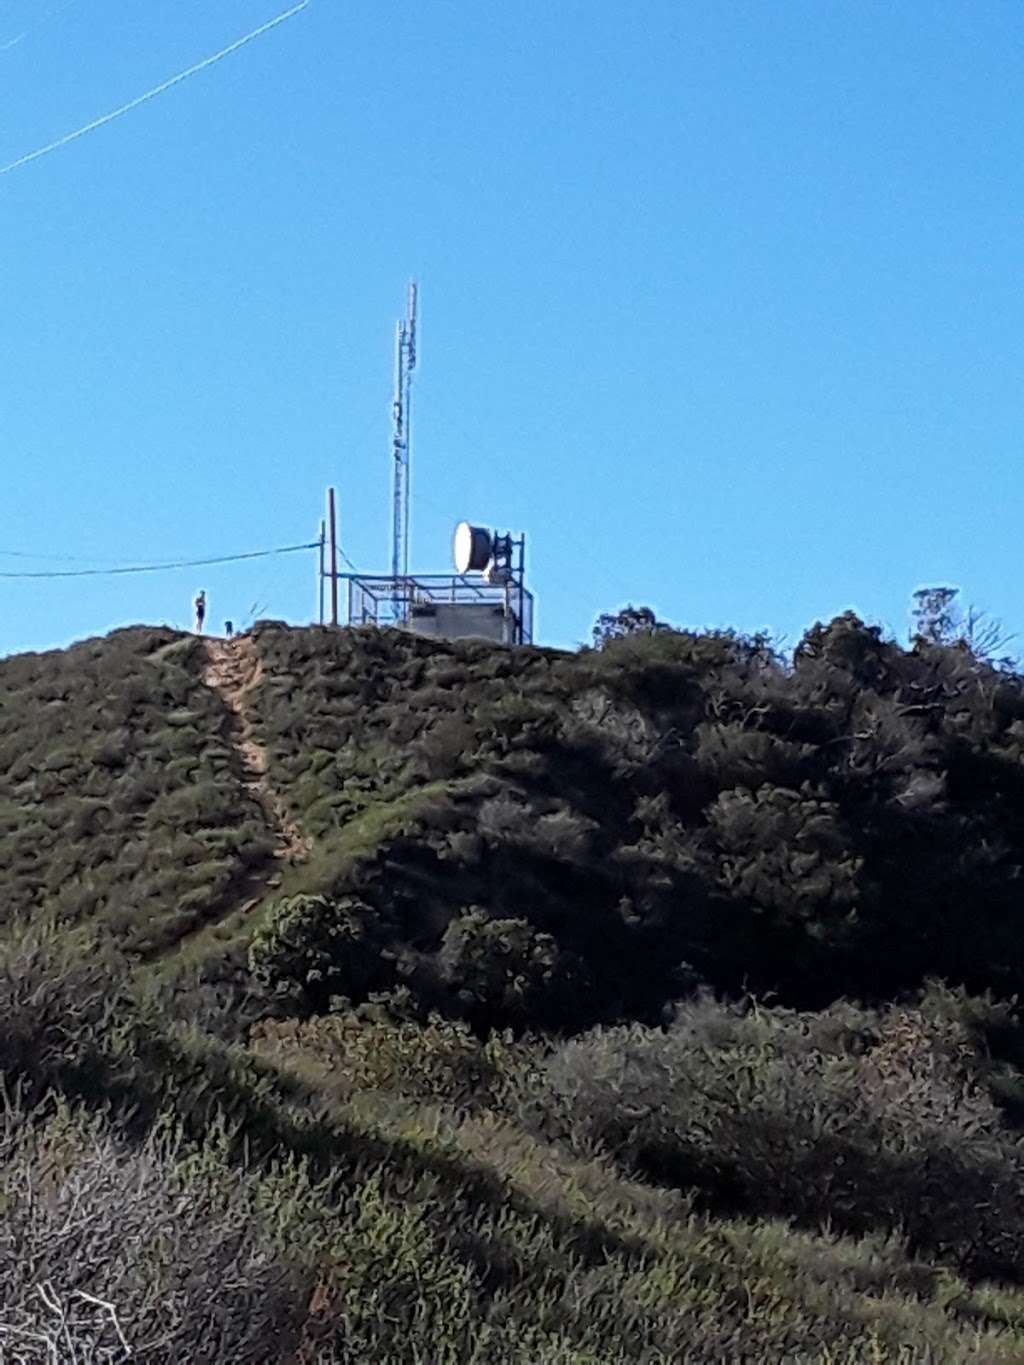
(401, 443)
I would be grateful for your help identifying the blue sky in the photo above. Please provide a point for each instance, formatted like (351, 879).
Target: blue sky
(721, 302)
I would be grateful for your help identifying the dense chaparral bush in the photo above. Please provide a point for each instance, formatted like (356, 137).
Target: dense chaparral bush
(858, 1119)
(155, 1249)
(841, 824)
(668, 807)
(544, 1049)
(121, 802)
(386, 1192)
(508, 968)
(315, 947)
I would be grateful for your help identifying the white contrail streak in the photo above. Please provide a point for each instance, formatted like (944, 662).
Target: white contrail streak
(152, 94)
(43, 19)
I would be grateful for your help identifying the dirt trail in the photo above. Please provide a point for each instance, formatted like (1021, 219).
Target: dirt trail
(232, 668)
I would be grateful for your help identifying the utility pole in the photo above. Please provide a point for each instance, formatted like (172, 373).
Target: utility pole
(332, 523)
(401, 447)
(320, 575)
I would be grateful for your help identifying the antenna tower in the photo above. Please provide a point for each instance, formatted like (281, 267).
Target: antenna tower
(401, 445)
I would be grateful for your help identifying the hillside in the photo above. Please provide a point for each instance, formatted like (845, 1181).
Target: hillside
(401, 1000)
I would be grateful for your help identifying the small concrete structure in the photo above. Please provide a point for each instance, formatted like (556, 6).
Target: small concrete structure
(486, 599)
(463, 621)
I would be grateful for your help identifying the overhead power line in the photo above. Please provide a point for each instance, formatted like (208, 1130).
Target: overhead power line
(161, 568)
(157, 90)
(53, 559)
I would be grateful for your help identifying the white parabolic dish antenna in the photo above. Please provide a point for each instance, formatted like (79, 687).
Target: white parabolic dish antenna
(472, 548)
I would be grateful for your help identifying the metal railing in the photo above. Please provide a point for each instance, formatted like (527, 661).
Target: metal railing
(386, 600)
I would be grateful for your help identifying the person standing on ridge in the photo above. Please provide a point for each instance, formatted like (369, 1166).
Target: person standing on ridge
(200, 610)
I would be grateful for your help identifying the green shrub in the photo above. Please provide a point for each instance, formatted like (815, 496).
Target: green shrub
(847, 1118)
(315, 948)
(504, 970)
(787, 856)
(440, 1060)
(61, 996)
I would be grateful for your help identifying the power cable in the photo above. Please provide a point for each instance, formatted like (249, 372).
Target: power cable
(161, 568)
(52, 559)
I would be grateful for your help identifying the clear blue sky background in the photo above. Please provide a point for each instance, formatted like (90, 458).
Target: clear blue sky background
(721, 301)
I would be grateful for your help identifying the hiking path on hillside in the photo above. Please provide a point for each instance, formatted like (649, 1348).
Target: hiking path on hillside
(232, 668)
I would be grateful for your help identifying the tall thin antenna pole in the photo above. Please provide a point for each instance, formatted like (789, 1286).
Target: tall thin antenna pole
(401, 448)
(399, 454)
(332, 523)
(410, 366)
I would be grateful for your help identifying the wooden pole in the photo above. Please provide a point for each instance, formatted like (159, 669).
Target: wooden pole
(332, 522)
(320, 576)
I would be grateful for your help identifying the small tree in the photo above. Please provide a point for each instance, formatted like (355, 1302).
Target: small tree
(318, 947)
(938, 620)
(629, 621)
(936, 616)
(505, 970)
(986, 639)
